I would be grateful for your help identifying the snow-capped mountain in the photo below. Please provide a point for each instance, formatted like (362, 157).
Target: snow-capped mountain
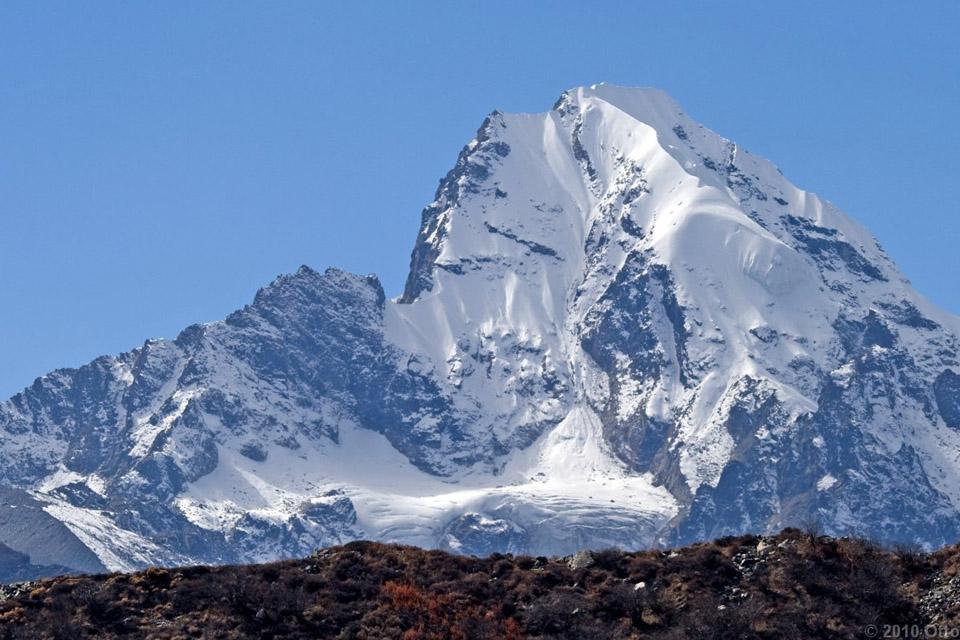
(619, 329)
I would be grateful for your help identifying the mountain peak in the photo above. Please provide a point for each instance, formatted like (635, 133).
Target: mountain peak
(643, 103)
(619, 328)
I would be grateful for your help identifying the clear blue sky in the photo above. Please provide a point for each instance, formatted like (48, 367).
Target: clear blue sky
(160, 161)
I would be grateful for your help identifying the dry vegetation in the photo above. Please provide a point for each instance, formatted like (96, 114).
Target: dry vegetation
(793, 585)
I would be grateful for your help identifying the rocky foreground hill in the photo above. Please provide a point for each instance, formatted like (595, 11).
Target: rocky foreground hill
(791, 585)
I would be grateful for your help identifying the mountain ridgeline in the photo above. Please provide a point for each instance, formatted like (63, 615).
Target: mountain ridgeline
(618, 329)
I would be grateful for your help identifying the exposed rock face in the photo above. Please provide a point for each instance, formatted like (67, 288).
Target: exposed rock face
(947, 392)
(619, 328)
(479, 535)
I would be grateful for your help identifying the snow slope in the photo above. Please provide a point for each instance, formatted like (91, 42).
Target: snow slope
(619, 328)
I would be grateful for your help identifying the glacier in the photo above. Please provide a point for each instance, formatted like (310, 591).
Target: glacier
(619, 329)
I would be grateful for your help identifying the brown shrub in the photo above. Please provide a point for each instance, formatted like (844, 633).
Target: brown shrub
(802, 586)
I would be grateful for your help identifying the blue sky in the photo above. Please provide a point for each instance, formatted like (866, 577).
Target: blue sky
(161, 161)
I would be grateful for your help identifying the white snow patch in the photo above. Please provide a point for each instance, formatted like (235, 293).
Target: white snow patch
(826, 482)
